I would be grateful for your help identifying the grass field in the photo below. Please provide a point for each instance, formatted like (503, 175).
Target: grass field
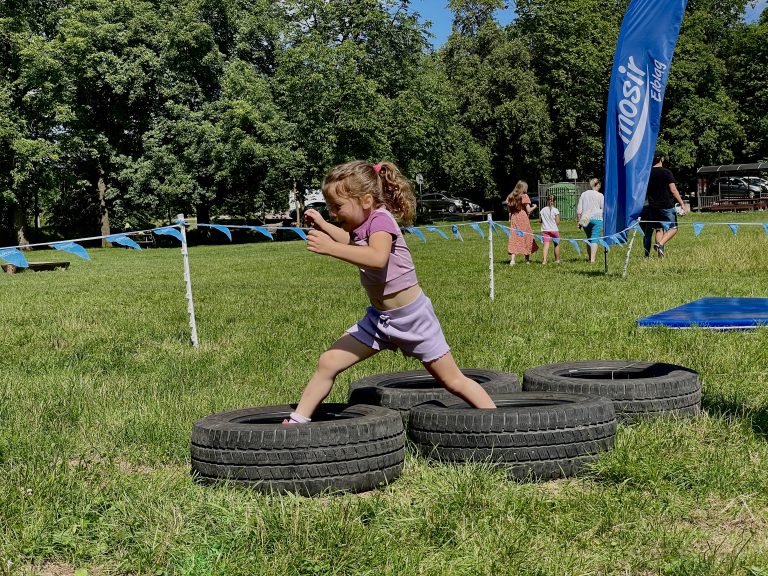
(99, 388)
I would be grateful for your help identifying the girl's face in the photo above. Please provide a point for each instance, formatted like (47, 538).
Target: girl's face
(349, 212)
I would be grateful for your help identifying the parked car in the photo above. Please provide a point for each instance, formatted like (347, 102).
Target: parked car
(756, 181)
(734, 186)
(321, 207)
(439, 202)
(468, 206)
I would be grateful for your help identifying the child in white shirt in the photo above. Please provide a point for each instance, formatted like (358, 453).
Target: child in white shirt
(549, 216)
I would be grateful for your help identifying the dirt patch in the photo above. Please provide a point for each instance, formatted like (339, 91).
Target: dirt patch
(57, 569)
(729, 526)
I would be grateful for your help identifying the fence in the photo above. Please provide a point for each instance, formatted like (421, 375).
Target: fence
(566, 196)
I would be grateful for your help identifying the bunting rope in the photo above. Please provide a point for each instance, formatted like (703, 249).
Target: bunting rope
(14, 256)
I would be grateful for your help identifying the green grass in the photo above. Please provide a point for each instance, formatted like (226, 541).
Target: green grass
(99, 388)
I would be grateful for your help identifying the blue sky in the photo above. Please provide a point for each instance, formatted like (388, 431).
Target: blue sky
(437, 11)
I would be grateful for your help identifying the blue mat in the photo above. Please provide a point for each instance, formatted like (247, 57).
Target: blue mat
(713, 313)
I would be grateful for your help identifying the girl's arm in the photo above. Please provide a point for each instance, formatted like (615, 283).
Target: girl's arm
(557, 219)
(530, 208)
(374, 256)
(314, 219)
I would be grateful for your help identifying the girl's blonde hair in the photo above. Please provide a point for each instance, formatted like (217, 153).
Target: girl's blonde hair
(515, 198)
(383, 182)
(594, 182)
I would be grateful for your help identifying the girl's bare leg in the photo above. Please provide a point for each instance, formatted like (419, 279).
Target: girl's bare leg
(446, 372)
(345, 352)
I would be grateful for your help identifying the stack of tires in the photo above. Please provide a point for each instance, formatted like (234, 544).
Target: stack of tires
(563, 419)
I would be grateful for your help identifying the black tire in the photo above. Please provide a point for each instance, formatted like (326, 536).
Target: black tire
(344, 448)
(534, 435)
(402, 391)
(638, 389)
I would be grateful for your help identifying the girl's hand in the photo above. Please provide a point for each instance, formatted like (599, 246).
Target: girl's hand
(319, 242)
(314, 219)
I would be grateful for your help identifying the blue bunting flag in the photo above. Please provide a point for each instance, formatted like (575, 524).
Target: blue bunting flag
(298, 231)
(734, 228)
(169, 231)
(476, 228)
(417, 232)
(262, 230)
(456, 233)
(697, 228)
(220, 228)
(123, 240)
(575, 244)
(538, 237)
(15, 257)
(72, 248)
(765, 227)
(437, 230)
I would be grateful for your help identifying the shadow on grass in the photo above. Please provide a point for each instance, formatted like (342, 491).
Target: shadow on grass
(728, 409)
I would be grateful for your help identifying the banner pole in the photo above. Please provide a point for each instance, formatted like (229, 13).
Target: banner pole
(490, 256)
(629, 249)
(605, 259)
(188, 280)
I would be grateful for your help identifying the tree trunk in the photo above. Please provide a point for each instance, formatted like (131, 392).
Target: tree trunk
(102, 186)
(20, 225)
(203, 212)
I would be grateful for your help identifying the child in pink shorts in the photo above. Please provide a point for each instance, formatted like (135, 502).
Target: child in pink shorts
(549, 216)
(363, 197)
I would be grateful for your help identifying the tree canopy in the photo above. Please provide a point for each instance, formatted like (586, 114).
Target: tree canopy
(134, 110)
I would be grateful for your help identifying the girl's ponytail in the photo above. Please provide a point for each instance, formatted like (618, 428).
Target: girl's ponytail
(397, 195)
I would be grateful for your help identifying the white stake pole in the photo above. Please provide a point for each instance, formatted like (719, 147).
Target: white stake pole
(629, 250)
(187, 279)
(490, 255)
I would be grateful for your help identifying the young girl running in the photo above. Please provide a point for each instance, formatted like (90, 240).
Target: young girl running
(363, 197)
(549, 216)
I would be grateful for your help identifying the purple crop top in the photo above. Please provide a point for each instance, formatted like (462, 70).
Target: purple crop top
(399, 273)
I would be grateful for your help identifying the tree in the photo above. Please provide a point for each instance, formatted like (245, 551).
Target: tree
(700, 120)
(500, 102)
(572, 45)
(746, 57)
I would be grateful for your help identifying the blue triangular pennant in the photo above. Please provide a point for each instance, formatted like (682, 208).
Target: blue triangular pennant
(476, 227)
(438, 231)
(417, 232)
(72, 248)
(15, 257)
(456, 233)
(519, 232)
(169, 231)
(575, 244)
(538, 237)
(765, 227)
(734, 228)
(223, 229)
(262, 230)
(697, 228)
(639, 228)
(123, 240)
(603, 243)
(298, 231)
